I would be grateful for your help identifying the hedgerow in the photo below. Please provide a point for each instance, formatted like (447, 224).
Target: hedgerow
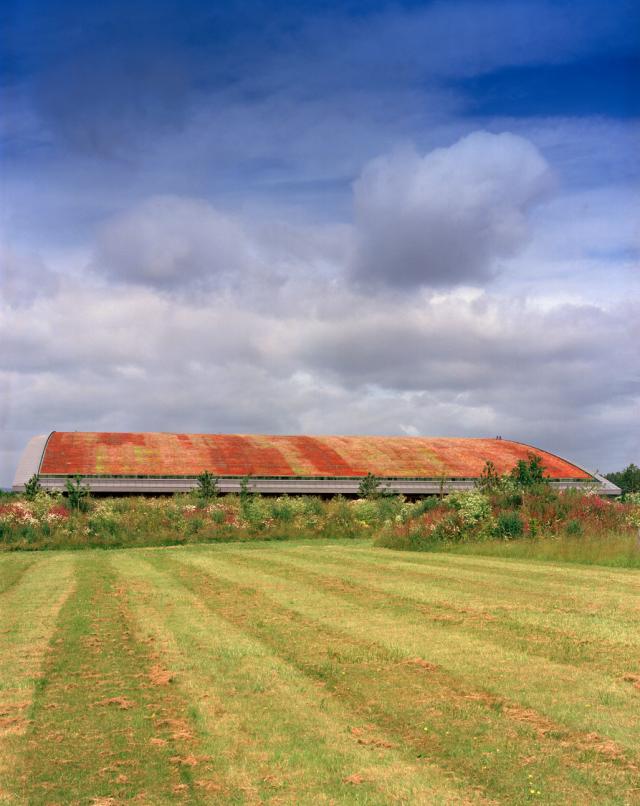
(517, 507)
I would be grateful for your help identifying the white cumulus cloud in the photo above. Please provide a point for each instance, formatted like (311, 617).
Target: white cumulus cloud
(446, 218)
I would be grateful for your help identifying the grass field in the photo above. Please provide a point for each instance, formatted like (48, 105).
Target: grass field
(326, 673)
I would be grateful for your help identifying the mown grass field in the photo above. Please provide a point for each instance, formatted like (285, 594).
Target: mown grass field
(325, 673)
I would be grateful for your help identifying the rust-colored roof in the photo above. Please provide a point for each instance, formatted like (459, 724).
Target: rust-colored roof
(160, 454)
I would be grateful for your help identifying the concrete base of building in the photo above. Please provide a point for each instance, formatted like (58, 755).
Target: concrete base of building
(118, 485)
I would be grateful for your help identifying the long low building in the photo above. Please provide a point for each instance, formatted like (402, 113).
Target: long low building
(152, 463)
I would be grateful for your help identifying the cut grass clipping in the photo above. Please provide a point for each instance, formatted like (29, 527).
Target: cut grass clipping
(311, 674)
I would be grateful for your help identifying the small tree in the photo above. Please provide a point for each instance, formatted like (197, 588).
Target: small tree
(245, 492)
(489, 479)
(530, 472)
(207, 486)
(78, 494)
(371, 487)
(245, 496)
(33, 487)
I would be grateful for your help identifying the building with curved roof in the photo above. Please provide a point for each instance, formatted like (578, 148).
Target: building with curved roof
(120, 463)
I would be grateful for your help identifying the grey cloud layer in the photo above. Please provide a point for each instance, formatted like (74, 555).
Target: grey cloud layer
(169, 241)
(456, 363)
(24, 276)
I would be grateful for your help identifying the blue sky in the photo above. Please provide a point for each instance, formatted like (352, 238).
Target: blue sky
(331, 217)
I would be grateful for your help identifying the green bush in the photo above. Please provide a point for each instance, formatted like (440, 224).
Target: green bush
(77, 494)
(217, 516)
(513, 499)
(207, 486)
(424, 505)
(311, 505)
(509, 525)
(390, 508)
(530, 472)
(451, 529)
(472, 506)
(574, 528)
(338, 519)
(32, 487)
(369, 487)
(476, 521)
(282, 509)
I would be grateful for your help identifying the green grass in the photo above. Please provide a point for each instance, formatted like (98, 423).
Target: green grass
(328, 672)
(610, 549)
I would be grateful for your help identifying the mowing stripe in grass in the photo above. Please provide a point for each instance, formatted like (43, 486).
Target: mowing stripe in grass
(12, 567)
(619, 600)
(618, 589)
(497, 744)
(556, 690)
(562, 576)
(593, 614)
(102, 725)
(272, 732)
(560, 636)
(510, 628)
(28, 611)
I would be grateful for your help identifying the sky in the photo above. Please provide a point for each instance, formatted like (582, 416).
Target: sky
(414, 218)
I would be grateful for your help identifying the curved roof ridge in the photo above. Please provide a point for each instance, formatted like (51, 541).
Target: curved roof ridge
(31, 459)
(280, 455)
(555, 455)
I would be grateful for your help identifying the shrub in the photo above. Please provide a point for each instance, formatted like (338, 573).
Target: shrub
(574, 528)
(339, 520)
(246, 495)
(424, 505)
(32, 487)
(390, 507)
(256, 511)
(207, 486)
(282, 510)
(218, 516)
(509, 525)
(369, 487)
(473, 506)
(312, 505)
(102, 525)
(489, 479)
(77, 494)
(513, 498)
(451, 529)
